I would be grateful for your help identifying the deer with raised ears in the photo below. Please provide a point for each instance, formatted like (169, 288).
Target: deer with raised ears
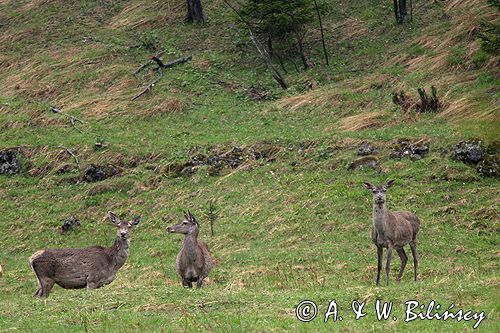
(194, 261)
(392, 230)
(90, 267)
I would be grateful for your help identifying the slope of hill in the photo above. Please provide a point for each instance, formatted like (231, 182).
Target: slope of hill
(281, 168)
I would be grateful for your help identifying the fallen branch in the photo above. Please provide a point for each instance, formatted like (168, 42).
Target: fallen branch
(144, 65)
(72, 118)
(150, 86)
(171, 63)
(56, 110)
(161, 65)
(72, 154)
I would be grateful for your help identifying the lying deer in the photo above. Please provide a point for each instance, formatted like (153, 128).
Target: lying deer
(193, 261)
(392, 230)
(89, 268)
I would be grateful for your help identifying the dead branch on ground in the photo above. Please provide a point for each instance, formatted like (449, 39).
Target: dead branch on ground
(160, 67)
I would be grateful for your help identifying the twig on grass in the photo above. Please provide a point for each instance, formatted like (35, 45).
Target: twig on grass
(160, 67)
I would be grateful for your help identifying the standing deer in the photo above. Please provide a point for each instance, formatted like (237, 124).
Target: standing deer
(90, 268)
(392, 230)
(193, 261)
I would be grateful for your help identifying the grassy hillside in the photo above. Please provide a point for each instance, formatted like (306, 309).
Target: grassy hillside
(293, 219)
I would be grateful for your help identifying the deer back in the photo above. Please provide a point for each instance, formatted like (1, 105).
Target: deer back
(402, 227)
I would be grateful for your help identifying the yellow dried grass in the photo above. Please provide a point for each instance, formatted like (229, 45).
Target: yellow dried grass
(171, 105)
(324, 98)
(363, 121)
(352, 28)
(464, 108)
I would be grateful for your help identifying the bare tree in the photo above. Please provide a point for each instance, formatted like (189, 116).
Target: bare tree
(262, 51)
(195, 12)
(322, 32)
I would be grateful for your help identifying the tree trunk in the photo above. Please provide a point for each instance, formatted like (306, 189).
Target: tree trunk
(301, 50)
(403, 13)
(276, 75)
(396, 10)
(322, 33)
(262, 51)
(195, 12)
(400, 11)
(270, 45)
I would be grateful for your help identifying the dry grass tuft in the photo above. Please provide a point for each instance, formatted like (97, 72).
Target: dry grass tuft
(139, 14)
(325, 98)
(375, 81)
(363, 121)
(129, 17)
(466, 17)
(464, 108)
(171, 105)
(352, 28)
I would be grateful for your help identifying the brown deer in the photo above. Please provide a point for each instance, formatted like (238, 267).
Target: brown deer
(194, 261)
(90, 268)
(392, 230)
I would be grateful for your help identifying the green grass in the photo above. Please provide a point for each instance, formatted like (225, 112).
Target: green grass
(290, 229)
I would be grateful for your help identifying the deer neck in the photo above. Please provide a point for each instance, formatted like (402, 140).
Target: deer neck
(380, 216)
(119, 251)
(191, 245)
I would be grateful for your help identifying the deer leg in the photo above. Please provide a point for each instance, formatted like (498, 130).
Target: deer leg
(388, 265)
(186, 283)
(380, 253)
(414, 252)
(93, 282)
(92, 285)
(47, 285)
(38, 292)
(404, 259)
(199, 282)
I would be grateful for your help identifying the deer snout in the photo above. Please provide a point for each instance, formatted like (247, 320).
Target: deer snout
(170, 230)
(123, 234)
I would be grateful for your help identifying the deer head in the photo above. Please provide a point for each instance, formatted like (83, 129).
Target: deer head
(187, 227)
(124, 227)
(379, 196)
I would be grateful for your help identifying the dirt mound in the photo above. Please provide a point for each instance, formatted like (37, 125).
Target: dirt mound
(415, 150)
(70, 224)
(365, 162)
(489, 166)
(470, 151)
(95, 173)
(9, 164)
(217, 159)
(366, 149)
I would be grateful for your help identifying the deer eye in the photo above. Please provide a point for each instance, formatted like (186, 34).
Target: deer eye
(184, 223)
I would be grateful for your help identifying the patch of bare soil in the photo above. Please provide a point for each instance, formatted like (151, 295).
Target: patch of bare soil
(218, 159)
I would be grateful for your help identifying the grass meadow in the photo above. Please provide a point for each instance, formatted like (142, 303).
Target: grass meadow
(292, 220)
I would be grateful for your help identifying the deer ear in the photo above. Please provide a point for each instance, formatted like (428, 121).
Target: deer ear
(368, 185)
(114, 219)
(136, 220)
(186, 215)
(191, 217)
(389, 183)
